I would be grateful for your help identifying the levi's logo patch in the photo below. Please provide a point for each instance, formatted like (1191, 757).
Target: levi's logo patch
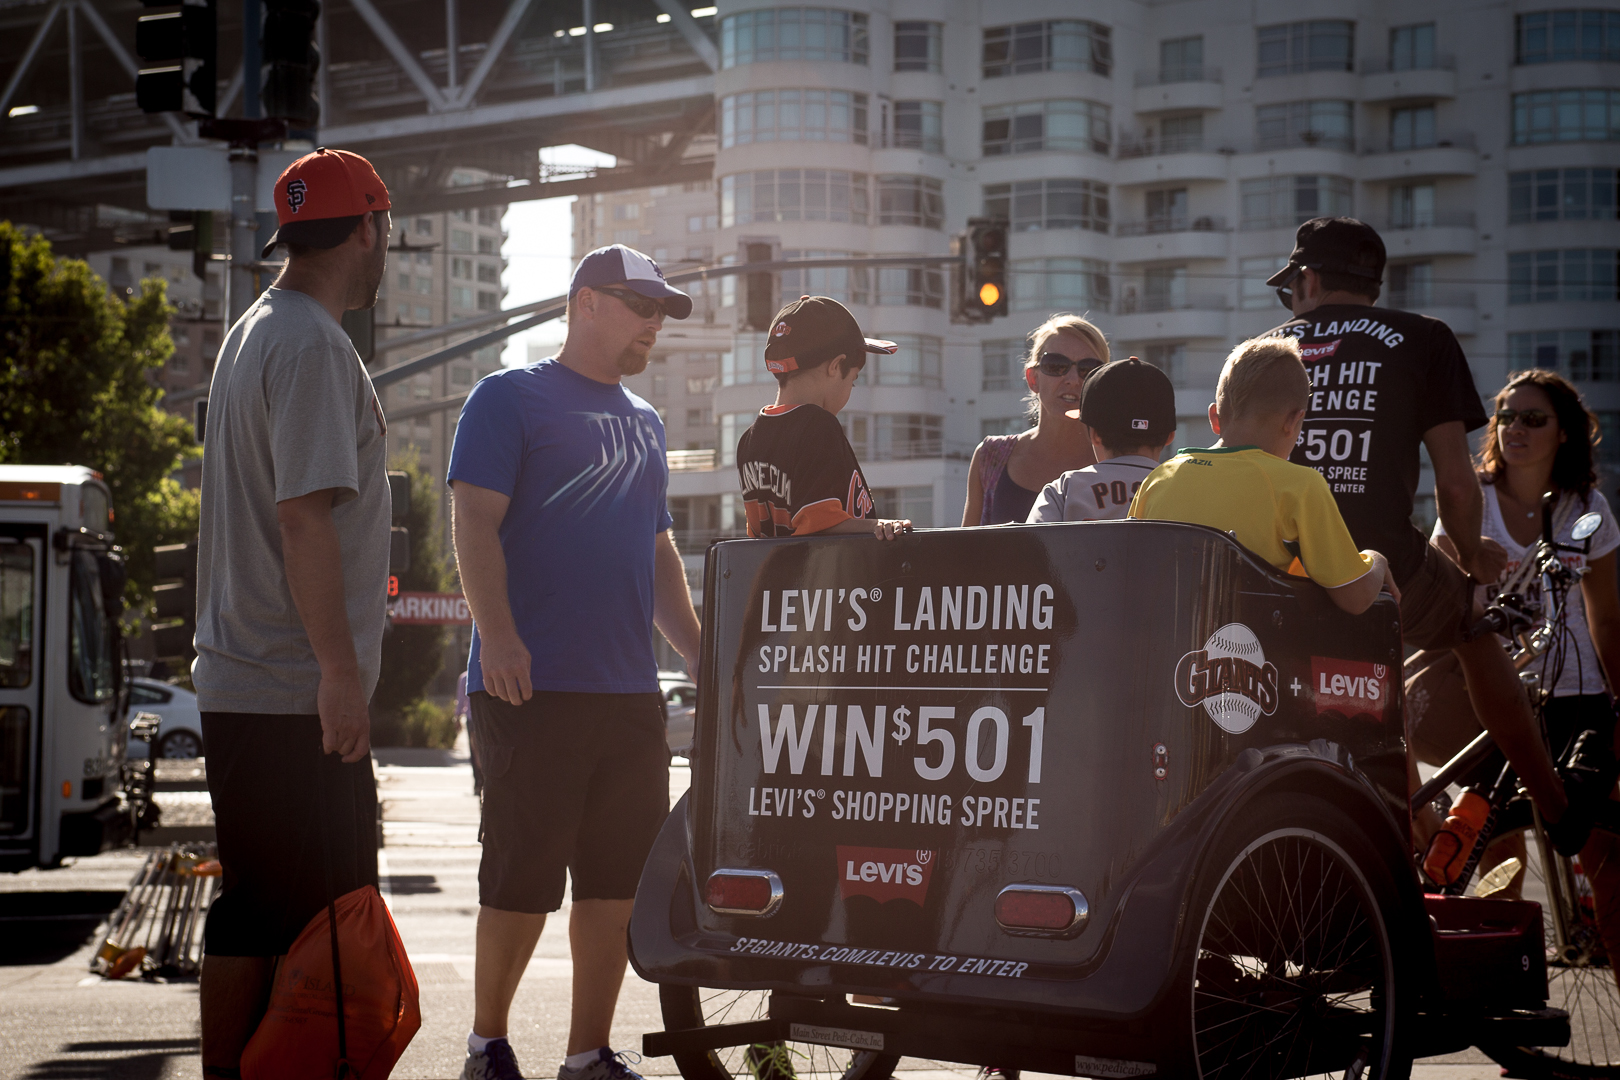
(1317, 352)
(884, 874)
(1351, 687)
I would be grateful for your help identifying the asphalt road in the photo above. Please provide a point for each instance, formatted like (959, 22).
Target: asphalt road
(58, 1021)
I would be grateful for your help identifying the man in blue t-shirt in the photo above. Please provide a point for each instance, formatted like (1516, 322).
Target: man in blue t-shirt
(562, 540)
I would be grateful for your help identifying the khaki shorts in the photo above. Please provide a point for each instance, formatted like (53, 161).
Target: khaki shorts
(1437, 603)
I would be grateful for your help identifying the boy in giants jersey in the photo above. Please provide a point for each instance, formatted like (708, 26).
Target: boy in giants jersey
(799, 473)
(1130, 408)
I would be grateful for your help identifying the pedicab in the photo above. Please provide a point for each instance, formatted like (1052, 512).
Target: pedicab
(1104, 799)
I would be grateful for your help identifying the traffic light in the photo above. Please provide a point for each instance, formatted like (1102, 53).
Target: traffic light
(193, 231)
(759, 304)
(290, 60)
(174, 625)
(177, 47)
(984, 277)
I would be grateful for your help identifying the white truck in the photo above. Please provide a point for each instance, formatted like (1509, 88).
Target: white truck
(63, 695)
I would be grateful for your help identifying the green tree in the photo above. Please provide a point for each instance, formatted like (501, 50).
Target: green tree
(412, 655)
(77, 388)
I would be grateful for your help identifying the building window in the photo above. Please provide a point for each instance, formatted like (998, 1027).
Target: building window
(1566, 116)
(1411, 206)
(1319, 45)
(424, 226)
(917, 46)
(488, 301)
(795, 33)
(488, 215)
(732, 426)
(486, 245)
(489, 273)
(424, 286)
(915, 363)
(919, 125)
(1412, 128)
(1549, 36)
(899, 286)
(1056, 45)
(1005, 425)
(1181, 60)
(773, 195)
(461, 240)
(627, 212)
(461, 375)
(1583, 355)
(1001, 360)
(461, 297)
(178, 364)
(1049, 204)
(405, 283)
(1574, 274)
(1570, 194)
(424, 314)
(461, 268)
(425, 258)
(1329, 124)
(1050, 285)
(910, 200)
(1410, 285)
(792, 115)
(1278, 202)
(1253, 292)
(1164, 288)
(846, 284)
(1170, 358)
(696, 223)
(906, 436)
(1411, 48)
(1065, 124)
(1167, 210)
(915, 504)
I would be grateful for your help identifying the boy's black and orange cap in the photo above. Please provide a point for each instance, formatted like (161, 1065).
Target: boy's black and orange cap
(814, 329)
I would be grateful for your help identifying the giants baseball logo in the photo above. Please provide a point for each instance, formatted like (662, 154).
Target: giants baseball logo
(296, 191)
(1230, 677)
(781, 329)
(1351, 687)
(884, 873)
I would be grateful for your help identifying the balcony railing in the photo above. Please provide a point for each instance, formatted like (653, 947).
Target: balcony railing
(1308, 140)
(1163, 144)
(1380, 65)
(1426, 299)
(1154, 226)
(1134, 303)
(691, 460)
(1440, 219)
(1180, 74)
(1385, 145)
(916, 450)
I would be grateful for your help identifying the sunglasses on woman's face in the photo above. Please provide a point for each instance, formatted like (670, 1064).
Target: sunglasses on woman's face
(1057, 365)
(644, 306)
(1533, 418)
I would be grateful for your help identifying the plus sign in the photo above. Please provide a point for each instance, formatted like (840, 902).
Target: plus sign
(1296, 686)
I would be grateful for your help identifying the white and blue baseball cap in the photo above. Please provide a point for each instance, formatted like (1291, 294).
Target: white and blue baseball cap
(615, 263)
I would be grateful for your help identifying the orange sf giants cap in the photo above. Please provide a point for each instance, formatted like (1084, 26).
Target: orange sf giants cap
(319, 197)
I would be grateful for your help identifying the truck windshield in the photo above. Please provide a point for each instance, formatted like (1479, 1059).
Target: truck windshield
(90, 633)
(16, 615)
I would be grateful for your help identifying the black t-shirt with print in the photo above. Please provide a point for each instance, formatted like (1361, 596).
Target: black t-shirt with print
(1379, 380)
(799, 473)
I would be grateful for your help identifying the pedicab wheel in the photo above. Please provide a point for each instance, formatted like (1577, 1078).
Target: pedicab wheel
(1580, 976)
(1293, 969)
(701, 1006)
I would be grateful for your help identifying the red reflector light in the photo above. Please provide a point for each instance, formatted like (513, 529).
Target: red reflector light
(1041, 909)
(743, 892)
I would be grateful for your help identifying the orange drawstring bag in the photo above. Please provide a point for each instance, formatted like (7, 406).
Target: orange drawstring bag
(304, 1036)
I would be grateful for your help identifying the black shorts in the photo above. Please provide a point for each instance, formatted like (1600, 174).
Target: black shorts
(1436, 603)
(575, 783)
(280, 807)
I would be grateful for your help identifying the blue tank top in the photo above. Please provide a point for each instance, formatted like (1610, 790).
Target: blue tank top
(1008, 501)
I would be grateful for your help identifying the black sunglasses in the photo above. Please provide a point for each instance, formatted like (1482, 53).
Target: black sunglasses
(1285, 291)
(644, 306)
(1533, 418)
(1057, 365)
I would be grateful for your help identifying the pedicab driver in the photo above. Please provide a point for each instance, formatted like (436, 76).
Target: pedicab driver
(562, 539)
(1382, 383)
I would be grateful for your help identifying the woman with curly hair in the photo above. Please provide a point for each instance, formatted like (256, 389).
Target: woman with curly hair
(1009, 471)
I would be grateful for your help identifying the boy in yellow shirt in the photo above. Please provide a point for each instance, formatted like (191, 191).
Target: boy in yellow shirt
(1246, 485)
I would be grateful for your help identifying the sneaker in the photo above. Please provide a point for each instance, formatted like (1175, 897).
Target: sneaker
(607, 1066)
(495, 1062)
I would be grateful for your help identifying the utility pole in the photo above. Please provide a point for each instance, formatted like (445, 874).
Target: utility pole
(241, 290)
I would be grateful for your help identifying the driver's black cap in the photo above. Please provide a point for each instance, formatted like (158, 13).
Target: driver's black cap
(1337, 245)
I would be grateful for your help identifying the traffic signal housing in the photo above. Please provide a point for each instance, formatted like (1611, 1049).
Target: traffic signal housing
(290, 61)
(984, 273)
(193, 231)
(174, 623)
(177, 47)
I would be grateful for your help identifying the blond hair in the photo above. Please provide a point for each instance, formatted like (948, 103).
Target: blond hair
(1262, 377)
(1072, 325)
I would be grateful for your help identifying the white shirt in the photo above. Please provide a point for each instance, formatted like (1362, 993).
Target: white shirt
(1100, 492)
(1582, 673)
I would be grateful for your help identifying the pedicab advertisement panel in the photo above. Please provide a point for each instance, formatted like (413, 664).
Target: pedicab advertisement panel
(900, 730)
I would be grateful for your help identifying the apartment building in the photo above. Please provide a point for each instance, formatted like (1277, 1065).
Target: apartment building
(1154, 160)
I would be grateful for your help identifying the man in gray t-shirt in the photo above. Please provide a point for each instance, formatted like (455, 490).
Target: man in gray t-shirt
(292, 582)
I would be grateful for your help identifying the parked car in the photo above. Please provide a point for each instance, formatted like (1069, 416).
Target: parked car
(680, 706)
(180, 734)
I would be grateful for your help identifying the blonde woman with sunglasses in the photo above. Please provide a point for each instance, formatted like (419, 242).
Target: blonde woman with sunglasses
(1009, 471)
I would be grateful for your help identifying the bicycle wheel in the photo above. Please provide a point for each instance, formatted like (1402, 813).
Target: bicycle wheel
(1580, 977)
(1294, 971)
(698, 1006)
